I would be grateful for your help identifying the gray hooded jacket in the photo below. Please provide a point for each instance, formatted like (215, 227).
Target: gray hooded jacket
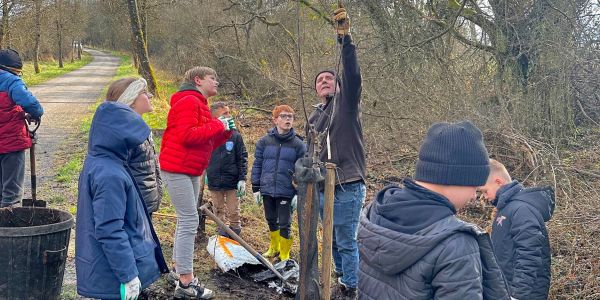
(449, 259)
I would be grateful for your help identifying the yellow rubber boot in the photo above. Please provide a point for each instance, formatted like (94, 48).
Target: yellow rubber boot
(285, 247)
(273, 244)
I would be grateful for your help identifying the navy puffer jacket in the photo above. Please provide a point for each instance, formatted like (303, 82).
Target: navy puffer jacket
(274, 161)
(521, 240)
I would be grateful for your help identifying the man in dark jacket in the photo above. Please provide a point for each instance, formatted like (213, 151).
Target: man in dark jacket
(15, 103)
(226, 174)
(519, 235)
(412, 245)
(274, 159)
(117, 251)
(337, 119)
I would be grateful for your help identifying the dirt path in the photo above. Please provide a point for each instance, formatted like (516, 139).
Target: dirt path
(66, 101)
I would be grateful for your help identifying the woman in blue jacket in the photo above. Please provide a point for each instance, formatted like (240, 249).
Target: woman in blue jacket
(276, 154)
(117, 251)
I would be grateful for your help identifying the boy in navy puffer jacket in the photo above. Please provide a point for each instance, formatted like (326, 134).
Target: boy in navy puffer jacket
(519, 235)
(274, 159)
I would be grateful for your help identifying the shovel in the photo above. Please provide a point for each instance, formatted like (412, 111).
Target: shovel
(32, 129)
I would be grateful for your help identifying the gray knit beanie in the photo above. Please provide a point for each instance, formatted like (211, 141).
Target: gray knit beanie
(453, 154)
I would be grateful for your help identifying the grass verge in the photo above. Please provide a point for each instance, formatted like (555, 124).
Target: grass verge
(50, 69)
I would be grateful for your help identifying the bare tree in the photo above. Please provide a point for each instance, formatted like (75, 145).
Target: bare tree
(141, 48)
(7, 6)
(38, 35)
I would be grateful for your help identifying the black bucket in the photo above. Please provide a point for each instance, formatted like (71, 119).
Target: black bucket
(33, 252)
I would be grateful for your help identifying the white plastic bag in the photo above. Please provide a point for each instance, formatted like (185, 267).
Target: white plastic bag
(228, 253)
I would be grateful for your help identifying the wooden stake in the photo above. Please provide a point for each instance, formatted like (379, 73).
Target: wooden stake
(327, 230)
(306, 223)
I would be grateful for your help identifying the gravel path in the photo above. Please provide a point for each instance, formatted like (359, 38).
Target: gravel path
(66, 101)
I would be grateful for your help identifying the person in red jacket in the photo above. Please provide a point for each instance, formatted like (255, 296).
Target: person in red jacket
(16, 105)
(189, 139)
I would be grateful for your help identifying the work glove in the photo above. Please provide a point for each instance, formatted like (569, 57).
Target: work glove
(342, 21)
(258, 198)
(241, 188)
(225, 122)
(231, 124)
(131, 290)
(294, 203)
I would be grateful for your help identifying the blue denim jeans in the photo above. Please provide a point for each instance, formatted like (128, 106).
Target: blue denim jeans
(348, 202)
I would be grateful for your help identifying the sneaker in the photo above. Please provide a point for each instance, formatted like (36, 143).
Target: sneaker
(192, 291)
(349, 292)
(172, 278)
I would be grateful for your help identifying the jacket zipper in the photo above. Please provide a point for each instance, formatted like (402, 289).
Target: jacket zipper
(276, 171)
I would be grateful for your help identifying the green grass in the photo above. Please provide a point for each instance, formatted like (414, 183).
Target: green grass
(50, 69)
(70, 169)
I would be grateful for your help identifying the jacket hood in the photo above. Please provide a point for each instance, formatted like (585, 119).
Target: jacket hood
(409, 209)
(542, 198)
(116, 129)
(282, 137)
(392, 252)
(187, 89)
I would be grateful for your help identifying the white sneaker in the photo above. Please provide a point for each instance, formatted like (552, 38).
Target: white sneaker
(172, 278)
(192, 291)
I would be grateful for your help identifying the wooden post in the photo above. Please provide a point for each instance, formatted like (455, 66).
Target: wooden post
(327, 231)
(306, 223)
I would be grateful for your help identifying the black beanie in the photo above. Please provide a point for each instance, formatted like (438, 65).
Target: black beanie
(332, 72)
(453, 154)
(10, 58)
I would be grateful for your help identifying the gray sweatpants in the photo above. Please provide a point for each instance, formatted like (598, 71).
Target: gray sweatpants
(184, 190)
(12, 177)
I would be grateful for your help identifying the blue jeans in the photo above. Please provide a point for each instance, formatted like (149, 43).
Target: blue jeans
(348, 202)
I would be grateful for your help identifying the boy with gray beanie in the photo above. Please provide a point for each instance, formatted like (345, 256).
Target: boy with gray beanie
(412, 245)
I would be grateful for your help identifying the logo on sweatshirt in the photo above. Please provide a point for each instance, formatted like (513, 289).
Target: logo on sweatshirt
(229, 145)
(500, 219)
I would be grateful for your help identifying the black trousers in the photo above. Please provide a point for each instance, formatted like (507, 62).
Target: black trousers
(278, 212)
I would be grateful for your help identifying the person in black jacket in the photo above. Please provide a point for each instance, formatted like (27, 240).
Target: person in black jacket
(142, 160)
(337, 118)
(519, 235)
(412, 245)
(226, 174)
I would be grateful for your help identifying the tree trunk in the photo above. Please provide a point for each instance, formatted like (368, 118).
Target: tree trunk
(136, 61)
(73, 51)
(59, 32)
(38, 36)
(144, 20)
(7, 6)
(79, 46)
(141, 50)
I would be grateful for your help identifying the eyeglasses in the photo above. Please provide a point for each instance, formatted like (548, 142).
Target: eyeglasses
(286, 116)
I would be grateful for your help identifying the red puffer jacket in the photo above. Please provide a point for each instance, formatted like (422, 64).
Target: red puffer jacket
(191, 135)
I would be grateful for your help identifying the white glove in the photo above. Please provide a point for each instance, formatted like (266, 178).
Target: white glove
(241, 188)
(225, 122)
(258, 198)
(131, 290)
(513, 298)
(294, 203)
